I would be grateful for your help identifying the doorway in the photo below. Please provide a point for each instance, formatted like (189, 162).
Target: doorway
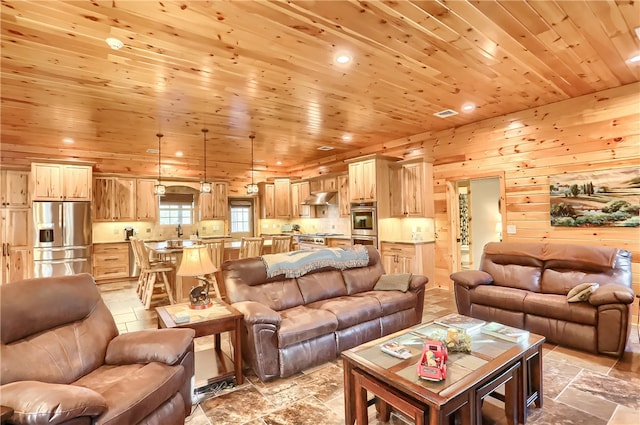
(476, 215)
(241, 218)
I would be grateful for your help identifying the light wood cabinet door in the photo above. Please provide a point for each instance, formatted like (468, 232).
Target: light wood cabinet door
(16, 252)
(267, 200)
(16, 265)
(146, 201)
(400, 258)
(114, 199)
(14, 188)
(110, 261)
(330, 184)
(295, 200)
(47, 182)
(205, 204)
(282, 189)
(355, 182)
(411, 190)
(220, 200)
(362, 181)
(343, 196)
(299, 192)
(396, 200)
(102, 199)
(76, 182)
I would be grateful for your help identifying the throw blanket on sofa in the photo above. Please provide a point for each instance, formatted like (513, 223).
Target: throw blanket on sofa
(299, 263)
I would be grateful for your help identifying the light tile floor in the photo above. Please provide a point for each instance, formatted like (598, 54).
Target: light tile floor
(579, 388)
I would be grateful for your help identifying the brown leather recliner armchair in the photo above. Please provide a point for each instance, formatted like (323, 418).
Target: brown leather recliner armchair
(63, 361)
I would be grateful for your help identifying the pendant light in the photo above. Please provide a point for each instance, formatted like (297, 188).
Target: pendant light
(205, 186)
(159, 189)
(252, 189)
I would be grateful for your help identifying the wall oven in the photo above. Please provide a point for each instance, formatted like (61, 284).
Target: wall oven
(363, 219)
(364, 240)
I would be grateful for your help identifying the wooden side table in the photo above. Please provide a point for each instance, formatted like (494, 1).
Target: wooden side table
(220, 317)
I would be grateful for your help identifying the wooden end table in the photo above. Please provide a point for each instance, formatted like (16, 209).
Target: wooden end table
(218, 318)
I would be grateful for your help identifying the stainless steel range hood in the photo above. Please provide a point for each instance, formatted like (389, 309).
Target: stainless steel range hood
(319, 198)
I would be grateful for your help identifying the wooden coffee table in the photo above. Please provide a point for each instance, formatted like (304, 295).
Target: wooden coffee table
(470, 378)
(220, 317)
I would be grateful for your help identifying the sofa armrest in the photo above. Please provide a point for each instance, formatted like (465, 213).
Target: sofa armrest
(256, 313)
(471, 278)
(611, 294)
(418, 282)
(153, 345)
(36, 403)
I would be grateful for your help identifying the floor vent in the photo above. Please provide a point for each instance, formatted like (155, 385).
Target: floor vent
(446, 113)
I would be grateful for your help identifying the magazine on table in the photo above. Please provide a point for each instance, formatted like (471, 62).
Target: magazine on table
(507, 333)
(455, 320)
(396, 349)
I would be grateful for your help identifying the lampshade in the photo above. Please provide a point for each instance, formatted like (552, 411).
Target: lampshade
(195, 261)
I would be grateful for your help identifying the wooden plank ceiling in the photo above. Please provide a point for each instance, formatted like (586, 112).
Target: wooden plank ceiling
(242, 67)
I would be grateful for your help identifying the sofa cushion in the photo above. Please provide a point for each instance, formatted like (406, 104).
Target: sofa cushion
(322, 285)
(514, 275)
(561, 281)
(133, 391)
(350, 311)
(557, 307)
(302, 323)
(393, 282)
(362, 279)
(501, 297)
(392, 301)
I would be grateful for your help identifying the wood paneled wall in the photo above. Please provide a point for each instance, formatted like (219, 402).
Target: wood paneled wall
(594, 132)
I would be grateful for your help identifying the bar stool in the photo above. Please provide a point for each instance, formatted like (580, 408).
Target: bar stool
(281, 244)
(215, 248)
(251, 247)
(149, 274)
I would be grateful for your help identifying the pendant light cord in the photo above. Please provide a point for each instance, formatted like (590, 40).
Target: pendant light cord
(204, 132)
(252, 137)
(159, 136)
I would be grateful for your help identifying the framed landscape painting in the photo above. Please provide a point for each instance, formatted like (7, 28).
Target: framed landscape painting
(596, 198)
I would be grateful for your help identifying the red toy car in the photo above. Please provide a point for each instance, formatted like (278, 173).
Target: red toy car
(433, 362)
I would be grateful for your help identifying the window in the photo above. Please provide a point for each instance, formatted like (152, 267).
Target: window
(176, 208)
(240, 221)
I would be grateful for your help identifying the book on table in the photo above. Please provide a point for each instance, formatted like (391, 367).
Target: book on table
(507, 333)
(396, 349)
(466, 323)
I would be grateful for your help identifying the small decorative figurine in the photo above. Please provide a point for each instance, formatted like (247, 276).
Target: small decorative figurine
(432, 364)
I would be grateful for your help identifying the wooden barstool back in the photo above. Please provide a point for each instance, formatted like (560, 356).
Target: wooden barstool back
(153, 276)
(215, 248)
(281, 244)
(251, 247)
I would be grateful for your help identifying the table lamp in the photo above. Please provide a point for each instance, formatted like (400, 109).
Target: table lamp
(197, 263)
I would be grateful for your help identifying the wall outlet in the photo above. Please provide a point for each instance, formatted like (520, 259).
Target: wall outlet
(216, 228)
(115, 231)
(418, 229)
(148, 230)
(511, 229)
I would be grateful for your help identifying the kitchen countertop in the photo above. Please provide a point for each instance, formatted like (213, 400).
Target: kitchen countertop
(408, 241)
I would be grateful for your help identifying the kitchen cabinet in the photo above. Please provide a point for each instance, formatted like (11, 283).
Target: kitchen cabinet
(114, 199)
(214, 205)
(398, 257)
(146, 201)
(110, 261)
(411, 189)
(299, 192)
(14, 188)
(54, 182)
(15, 233)
(369, 181)
(324, 184)
(282, 188)
(338, 243)
(343, 195)
(267, 195)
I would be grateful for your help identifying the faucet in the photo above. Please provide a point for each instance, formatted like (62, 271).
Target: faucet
(179, 230)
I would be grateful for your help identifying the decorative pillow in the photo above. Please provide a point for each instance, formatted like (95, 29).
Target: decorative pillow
(393, 282)
(581, 292)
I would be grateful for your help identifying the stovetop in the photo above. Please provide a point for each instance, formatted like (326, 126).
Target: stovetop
(321, 235)
(316, 238)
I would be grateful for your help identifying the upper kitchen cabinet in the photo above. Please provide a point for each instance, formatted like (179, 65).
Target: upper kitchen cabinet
(299, 192)
(343, 195)
(14, 188)
(146, 201)
(411, 189)
(282, 188)
(369, 181)
(324, 184)
(213, 206)
(54, 182)
(267, 194)
(114, 199)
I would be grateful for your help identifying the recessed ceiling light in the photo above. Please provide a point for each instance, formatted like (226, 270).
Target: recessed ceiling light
(467, 107)
(342, 58)
(279, 163)
(346, 137)
(325, 148)
(114, 43)
(634, 59)
(179, 153)
(68, 140)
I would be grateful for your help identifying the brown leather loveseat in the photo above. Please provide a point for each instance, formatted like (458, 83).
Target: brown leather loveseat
(63, 361)
(295, 323)
(526, 285)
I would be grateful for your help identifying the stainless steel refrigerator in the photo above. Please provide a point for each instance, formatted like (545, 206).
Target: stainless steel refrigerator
(62, 238)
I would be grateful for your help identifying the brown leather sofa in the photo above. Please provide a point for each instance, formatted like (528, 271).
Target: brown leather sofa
(526, 285)
(63, 361)
(296, 323)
